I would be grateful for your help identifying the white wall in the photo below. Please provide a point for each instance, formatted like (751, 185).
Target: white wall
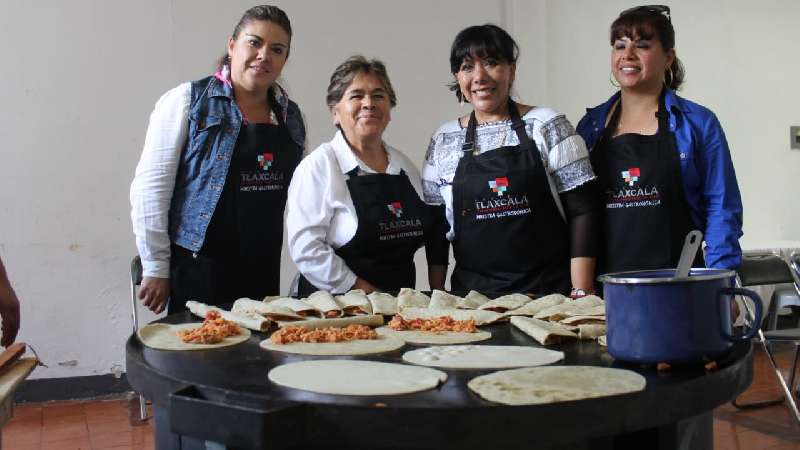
(81, 77)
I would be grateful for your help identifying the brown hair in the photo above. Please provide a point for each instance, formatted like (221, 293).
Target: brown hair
(347, 71)
(267, 13)
(643, 23)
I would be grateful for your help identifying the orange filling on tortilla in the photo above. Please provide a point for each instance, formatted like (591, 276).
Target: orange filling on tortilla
(213, 330)
(436, 325)
(288, 335)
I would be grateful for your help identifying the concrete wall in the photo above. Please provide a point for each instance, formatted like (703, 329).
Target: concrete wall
(80, 79)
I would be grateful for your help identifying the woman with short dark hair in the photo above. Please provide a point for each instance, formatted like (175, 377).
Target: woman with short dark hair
(663, 161)
(515, 180)
(210, 188)
(355, 212)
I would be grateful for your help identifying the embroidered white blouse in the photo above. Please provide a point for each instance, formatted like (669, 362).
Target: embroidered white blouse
(563, 152)
(320, 213)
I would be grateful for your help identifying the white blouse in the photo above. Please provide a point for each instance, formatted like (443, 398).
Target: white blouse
(320, 215)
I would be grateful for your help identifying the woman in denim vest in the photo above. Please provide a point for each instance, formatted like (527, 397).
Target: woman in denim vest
(662, 161)
(210, 188)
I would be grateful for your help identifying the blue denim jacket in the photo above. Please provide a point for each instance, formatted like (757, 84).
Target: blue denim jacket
(214, 124)
(709, 180)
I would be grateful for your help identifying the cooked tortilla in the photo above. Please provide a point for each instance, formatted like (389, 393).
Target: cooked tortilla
(348, 348)
(482, 356)
(505, 303)
(354, 303)
(534, 306)
(269, 310)
(326, 304)
(348, 377)
(602, 340)
(443, 300)
(412, 298)
(371, 320)
(473, 300)
(578, 320)
(591, 330)
(300, 307)
(545, 333)
(585, 306)
(419, 337)
(383, 303)
(540, 385)
(252, 321)
(164, 336)
(480, 317)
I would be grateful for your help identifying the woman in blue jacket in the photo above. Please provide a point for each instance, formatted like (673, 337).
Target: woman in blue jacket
(210, 188)
(663, 161)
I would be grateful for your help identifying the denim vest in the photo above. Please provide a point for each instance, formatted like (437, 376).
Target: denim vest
(214, 124)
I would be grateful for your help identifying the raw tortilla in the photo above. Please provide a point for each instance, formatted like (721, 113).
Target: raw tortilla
(441, 338)
(408, 298)
(480, 317)
(347, 377)
(538, 385)
(443, 300)
(252, 321)
(545, 333)
(164, 336)
(473, 300)
(482, 356)
(358, 347)
(383, 303)
(274, 312)
(372, 320)
(505, 303)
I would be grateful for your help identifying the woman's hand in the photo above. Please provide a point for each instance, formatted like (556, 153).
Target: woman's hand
(9, 309)
(154, 291)
(364, 285)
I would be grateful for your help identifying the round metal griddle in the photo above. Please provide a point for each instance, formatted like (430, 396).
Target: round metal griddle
(223, 395)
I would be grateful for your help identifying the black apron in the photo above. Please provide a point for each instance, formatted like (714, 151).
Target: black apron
(241, 252)
(391, 225)
(646, 213)
(509, 233)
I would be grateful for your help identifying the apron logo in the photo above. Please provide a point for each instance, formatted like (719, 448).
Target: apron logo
(395, 208)
(631, 175)
(265, 160)
(499, 185)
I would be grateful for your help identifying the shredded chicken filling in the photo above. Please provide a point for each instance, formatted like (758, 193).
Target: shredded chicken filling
(288, 335)
(435, 325)
(213, 330)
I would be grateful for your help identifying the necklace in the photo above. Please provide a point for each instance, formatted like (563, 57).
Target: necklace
(646, 129)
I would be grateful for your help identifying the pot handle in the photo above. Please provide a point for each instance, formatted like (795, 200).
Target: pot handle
(755, 324)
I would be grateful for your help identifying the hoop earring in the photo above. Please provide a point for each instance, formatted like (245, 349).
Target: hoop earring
(669, 76)
(611, 80)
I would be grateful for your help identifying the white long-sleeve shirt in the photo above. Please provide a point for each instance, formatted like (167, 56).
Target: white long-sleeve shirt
(154, 182)
(321, 216)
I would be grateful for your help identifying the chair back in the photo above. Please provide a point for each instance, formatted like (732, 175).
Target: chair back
(763, 268)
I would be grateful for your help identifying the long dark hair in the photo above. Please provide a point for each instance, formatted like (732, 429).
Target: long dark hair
(644, 23)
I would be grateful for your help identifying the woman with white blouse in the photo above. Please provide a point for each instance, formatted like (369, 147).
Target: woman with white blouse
(210, 188)
(355, 211)
(515, 181)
